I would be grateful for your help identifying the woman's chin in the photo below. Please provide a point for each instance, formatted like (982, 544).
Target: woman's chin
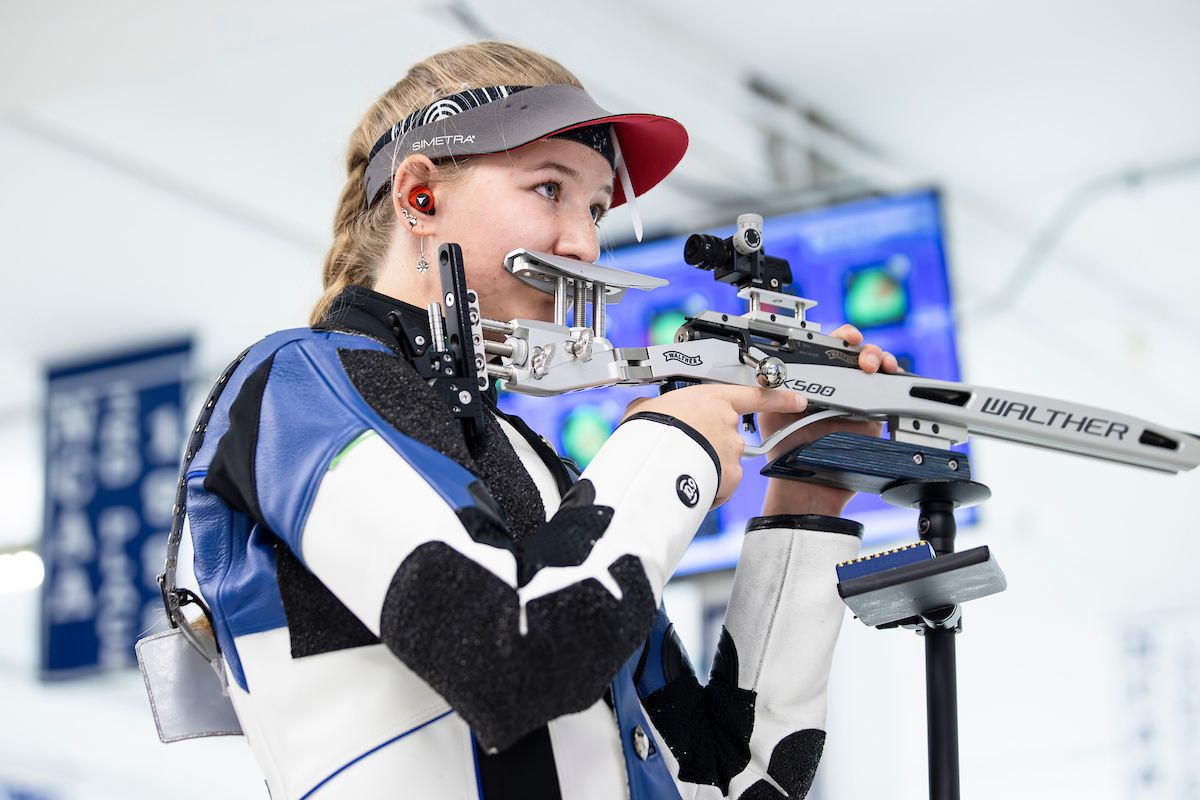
(542, 311)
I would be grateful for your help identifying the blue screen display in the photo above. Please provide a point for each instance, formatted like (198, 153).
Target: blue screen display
(878, 263)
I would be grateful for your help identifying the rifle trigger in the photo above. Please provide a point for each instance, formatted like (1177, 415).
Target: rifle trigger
(748, 424)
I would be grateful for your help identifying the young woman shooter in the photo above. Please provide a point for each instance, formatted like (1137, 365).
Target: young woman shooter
(405, 611)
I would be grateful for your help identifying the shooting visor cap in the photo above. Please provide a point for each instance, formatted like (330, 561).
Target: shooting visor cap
(494, 119)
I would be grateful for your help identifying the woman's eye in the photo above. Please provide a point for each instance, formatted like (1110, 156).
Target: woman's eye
(548, 190)
(597, 214)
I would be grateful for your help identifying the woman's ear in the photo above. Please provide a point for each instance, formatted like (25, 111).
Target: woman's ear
(415, 172)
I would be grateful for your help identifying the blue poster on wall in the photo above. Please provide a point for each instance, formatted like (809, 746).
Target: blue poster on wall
(114, 430)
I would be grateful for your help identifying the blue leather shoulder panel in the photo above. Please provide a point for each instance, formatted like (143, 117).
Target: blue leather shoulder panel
(650, 779)
(310, 411)
(218, 424)
(235, 561)
(303, 423)
(237, 574)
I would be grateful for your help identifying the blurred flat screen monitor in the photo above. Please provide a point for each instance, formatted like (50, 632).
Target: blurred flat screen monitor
(878, 263)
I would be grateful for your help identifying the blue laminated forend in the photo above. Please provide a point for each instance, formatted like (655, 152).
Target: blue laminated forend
(890, 559)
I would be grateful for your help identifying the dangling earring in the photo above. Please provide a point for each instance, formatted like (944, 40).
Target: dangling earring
(412, 221)
(422, 265)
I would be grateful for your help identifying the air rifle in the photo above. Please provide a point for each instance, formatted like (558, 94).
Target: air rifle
(778, 348)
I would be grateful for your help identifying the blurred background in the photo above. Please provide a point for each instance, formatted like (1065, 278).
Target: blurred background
(168, 173)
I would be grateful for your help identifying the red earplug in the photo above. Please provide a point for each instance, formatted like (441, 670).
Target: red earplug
(422, 200)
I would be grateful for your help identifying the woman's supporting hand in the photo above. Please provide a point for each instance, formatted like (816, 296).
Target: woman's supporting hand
(872, 359)
(715, 412)
(796, 497)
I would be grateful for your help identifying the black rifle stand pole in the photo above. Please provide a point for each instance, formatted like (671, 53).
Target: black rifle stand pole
(926, 595)
(937, 527)
(937, 500)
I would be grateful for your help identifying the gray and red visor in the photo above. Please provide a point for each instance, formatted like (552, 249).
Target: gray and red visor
(494, 119)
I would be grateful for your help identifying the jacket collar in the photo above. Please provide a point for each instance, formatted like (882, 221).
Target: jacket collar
(364, 311)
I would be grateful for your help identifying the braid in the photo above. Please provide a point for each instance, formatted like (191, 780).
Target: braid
(360, 238)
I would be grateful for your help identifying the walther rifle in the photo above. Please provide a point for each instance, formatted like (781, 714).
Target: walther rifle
(778, 348)
(920, 587)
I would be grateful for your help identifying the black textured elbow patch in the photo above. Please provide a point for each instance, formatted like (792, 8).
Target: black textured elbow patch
(567, 539)
(707, 729)
(456, 625)
(793, 766)
(317, 621)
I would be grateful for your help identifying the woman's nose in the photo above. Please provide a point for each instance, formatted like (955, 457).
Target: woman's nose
(577, 237)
